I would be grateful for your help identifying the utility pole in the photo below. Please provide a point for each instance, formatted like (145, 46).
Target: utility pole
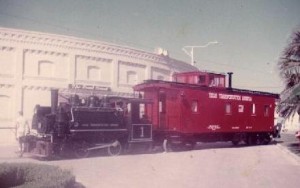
(190, 53)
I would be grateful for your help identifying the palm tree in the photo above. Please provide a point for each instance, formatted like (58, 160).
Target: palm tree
(289, 68)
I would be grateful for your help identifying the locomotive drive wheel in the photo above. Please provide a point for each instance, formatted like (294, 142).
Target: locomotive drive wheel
(115, 149)
(81, 149)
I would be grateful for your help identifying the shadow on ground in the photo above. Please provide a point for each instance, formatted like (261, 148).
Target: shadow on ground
(294, 147)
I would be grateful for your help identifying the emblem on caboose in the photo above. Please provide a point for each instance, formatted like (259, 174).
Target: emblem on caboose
(214, 127)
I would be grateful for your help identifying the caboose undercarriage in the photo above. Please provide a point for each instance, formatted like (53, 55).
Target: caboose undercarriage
(176, 141)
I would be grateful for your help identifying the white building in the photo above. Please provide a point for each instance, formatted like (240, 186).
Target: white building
(32, 63)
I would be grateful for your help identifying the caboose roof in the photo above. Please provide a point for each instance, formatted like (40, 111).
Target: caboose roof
(198, 72)
(148, 84)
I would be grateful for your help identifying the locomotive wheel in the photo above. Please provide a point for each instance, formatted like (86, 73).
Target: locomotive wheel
(115, 149)
(81, 150)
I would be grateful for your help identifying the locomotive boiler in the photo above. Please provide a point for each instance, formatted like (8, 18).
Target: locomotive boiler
(81, 125)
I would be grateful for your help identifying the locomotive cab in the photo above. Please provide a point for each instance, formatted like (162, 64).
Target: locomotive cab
(139, 122)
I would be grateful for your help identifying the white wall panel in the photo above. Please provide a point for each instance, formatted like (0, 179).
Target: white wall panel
(5, 110)
(6, 103)
(7, 62)
(94, 69)
(160, 74)
(32, 97)
(131, 74)
(36, 61)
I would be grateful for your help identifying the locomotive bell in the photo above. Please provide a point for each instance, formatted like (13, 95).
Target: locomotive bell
(74, 100)
(93, 101)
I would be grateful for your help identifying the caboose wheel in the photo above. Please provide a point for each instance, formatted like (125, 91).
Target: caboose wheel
(235, 142)
(167, 145)
(115, 148)
(266, 140)
(81, 150)
(189, 145)
(250, 140)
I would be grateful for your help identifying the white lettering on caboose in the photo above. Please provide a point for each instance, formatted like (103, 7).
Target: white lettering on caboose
(229, 97)
(213, 95)
(224, 96)
(246, 98)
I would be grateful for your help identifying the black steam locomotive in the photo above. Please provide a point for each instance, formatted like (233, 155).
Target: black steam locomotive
(85, 124)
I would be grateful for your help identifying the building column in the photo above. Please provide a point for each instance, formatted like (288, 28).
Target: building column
(19, 74)
(115, 74)
(148, 72)
(72, 69)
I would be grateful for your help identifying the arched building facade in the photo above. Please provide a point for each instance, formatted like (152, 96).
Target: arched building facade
(32, 63)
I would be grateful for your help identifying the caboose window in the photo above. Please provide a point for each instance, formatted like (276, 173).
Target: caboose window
(142, 110)
(194, 106)
(253, 109)
(222, 82)
(228, 108)
(241, 108)
(201, 79)
(191, 80)
(162, 107)
(180, 79)
(266, 110)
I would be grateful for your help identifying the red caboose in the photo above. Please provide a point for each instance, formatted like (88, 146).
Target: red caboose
(197, 107)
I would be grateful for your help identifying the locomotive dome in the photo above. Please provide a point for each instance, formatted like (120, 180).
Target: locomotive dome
(32, 63)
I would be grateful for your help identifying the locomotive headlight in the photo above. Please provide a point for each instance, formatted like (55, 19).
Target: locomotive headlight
(39, 125)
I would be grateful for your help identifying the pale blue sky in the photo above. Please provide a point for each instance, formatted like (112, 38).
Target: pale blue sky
(251, 34)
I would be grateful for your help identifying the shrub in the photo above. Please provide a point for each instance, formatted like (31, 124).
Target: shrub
(29, 175)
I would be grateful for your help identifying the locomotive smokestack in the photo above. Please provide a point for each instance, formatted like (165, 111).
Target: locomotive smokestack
(54, 100)
(230, 79)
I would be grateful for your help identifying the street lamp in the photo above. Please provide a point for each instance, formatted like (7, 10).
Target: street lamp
(191, 52)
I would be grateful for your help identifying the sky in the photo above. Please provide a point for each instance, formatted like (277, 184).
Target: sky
(251, 35)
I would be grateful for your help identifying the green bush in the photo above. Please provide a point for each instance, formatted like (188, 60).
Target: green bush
(29, 175)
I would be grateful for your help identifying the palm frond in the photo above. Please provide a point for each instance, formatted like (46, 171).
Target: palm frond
(289, 70)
